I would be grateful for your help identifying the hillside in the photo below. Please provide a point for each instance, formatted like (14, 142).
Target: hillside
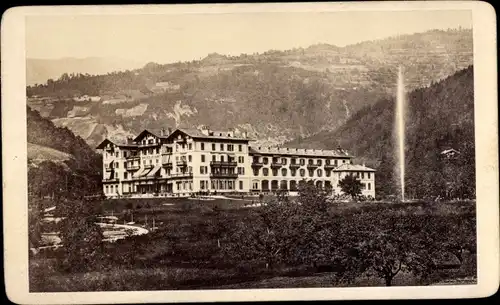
(439, 117)
(275, 96)
(60, 164)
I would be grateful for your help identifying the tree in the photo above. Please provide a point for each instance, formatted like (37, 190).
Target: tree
(81, 237)
(286, 231)
(350, 185)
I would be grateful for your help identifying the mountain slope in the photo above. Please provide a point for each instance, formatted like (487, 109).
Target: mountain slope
(438, 118)
(59, 163)
(275, 96)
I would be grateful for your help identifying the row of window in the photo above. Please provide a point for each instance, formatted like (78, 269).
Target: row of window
(295, 161)
(111, 189)
(219, 185)
(293, 172)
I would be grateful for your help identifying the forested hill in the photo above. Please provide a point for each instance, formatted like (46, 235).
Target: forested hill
(59, 163)
(439, 117)
(275, 96)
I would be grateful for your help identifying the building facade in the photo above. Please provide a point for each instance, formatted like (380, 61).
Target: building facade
(188, 161)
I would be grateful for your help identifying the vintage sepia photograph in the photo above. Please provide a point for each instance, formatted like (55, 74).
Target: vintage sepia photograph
(257, 149)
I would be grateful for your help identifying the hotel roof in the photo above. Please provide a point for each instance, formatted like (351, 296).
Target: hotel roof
(300, 152)
(198, 134)
(353, 168)
(115, 142)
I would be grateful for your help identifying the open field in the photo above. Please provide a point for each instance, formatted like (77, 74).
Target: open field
(187, 249)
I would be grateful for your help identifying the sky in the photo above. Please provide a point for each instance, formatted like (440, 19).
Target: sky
(176, 37)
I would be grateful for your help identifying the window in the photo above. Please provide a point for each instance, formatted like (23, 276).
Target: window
(240, 147)
(294, 161)
(202, 158)
(190, 146)
(310, 161)
(150, 162)
(241, 159)
(116, 154)
(369, 186)
(202, 170)
(150, 141)
(202, 184)
(107, 189)
(311, 173)
(320, 162)
(302, 172)
(264, 160)
(255, 159)
(221, 147)
(275, 172)
(327, 162)
(363, 175)
(221, 158)
(158, 150)
(320, 172)
(213, 146)
(283, 161)
(293, 172)
(230, 147)
(283, 172)
(157, 161)
(202, 146)
(214, 158)
(151, 151)
(265, 171)
(117, 165)
(255, 171)
(241, 170)
(190, 158)
(241, 185)
(327, 173)
(302, 161)
(125, 175)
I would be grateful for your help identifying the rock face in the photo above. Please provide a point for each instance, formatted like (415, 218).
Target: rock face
(276, 96)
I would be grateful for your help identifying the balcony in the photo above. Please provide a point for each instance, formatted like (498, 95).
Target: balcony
(314, 165)
(132, 167)
(133, 157)
(276, 165)
(182, 163)
(223, 164)
(257, 164)
(148, 166)
(330, 166)
(109, 168)
(294, 165)
(167, 164)
(181, 175)
(224, 175)
(110, 180)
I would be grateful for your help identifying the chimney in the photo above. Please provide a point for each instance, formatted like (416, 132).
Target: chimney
(244, 134)
(162, 132)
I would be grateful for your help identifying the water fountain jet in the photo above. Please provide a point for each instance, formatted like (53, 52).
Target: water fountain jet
(400, 132)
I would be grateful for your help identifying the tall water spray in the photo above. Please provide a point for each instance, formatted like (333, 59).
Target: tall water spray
(400, 132)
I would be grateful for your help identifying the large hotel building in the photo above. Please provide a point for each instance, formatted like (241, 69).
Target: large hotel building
(187, 161)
